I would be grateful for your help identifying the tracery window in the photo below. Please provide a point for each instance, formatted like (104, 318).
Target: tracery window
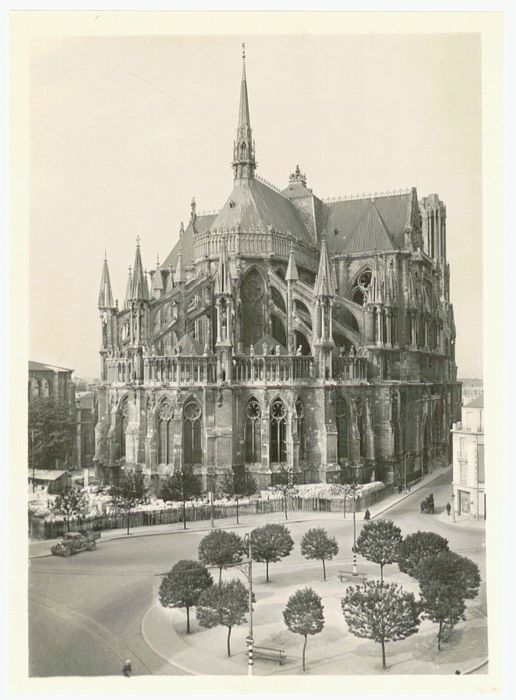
(360, 289)
(192, 444)
(343, 429)
(278, 432)
(253, 432)
(165, 432)
(253, 293)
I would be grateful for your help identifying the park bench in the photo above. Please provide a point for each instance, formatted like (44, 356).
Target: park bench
(270, 654)
(349, 574)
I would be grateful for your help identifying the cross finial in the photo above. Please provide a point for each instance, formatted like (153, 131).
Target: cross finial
(138, 241)
(157, 260)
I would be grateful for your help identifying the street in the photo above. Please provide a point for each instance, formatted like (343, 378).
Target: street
(85, 612)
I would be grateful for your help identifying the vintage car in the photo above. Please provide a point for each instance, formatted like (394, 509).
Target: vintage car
(74, 542)
(427, 506)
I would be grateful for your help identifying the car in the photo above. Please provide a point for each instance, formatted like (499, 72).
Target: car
(427, 506)
(75, 542)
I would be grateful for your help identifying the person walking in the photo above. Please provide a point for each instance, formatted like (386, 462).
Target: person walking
(127, 669)
(367, 514)
(448, 508)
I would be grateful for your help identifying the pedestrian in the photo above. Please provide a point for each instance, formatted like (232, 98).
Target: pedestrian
(400, 488)
(448, 508)
(127, 669)
(367, 514)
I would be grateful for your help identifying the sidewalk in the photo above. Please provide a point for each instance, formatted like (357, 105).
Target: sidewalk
(41, 548)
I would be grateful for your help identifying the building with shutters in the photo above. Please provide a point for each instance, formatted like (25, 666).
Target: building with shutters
(469, 493)
(284, 329)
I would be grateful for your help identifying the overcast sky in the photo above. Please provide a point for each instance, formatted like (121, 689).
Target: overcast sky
(124, 131)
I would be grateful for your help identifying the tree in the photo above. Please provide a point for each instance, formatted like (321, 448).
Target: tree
(317, 544)
(446, 580)
(414, 548)
(379, 541)
(182, 486)
(238, 483)
(383, 613)
(129, 491)
(346, 489)
(304, 615)
(270, 543)
(72, 501)
(451, 569)
(52, 432)
(221, 548)
(223, 604)
(284, 485)
(183, 585)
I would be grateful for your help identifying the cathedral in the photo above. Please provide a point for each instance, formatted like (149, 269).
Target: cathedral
(284, 331)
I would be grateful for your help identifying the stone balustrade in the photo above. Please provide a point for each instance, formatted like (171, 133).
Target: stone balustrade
(272, 369)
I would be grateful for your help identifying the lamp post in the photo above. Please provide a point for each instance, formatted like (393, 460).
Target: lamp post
(249, 639)
(354, 533)
(453, 508)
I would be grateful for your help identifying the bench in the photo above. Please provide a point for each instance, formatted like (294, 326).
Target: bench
(270, 654)
(349, 574)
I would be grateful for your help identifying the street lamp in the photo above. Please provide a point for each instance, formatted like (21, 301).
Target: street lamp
(453, 501)
(249, 639)
(354, 569)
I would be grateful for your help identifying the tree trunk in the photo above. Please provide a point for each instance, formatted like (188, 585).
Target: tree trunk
(304, 652)
(128, 512)
(229, 645)
(384, 665)
(187, 619)
(285, 502)
(237, 510)
(220, 575)
(381, 574)
(267, 571)
(439, 636)
(324, 569)
(184, 515)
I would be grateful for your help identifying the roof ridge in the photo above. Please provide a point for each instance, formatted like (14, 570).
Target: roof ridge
(271, 185)
(208, 212)
(366, 195)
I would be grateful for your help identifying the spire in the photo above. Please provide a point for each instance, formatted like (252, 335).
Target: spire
(129, 288)
(157, 282)
(323, 282)
(179, 274)
(105, 294)
(244, 163)
(139, 290)
(292, 275)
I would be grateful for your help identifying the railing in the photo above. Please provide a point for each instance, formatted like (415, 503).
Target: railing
(349, 369)
(272, 368)
(181, 369)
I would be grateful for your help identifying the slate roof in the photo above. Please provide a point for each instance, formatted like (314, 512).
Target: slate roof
(254, 204)
(357, 225)
(202, 223)
(47, 474)
(35, 366)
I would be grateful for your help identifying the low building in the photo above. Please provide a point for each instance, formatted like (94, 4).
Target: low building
(471, 389)
(53, 480)
(50, 381)
(85, 407)
(469, 495)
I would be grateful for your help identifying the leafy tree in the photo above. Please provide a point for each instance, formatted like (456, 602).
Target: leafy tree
(451, 569)
(379, 541)
(182, 486)
(304, 615)
(284, 484)
(52, 432)
(72, 501)
(414, 548)
(270, 543)
(223, 604)
(221, 548)
(346, 489)
(446, 580)
(317, 544)
(443, 604)
(129, 491)
(238, 483)
(383, 613)
(183, 585)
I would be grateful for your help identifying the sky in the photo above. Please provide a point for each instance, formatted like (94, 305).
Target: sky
(125, 130)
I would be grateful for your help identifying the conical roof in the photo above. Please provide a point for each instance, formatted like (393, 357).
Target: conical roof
(105, 293)
(140, 290)
(292, 274)
(323, 282)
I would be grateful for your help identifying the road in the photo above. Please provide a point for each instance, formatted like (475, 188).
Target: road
(85, 612)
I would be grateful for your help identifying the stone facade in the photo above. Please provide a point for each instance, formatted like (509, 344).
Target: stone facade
(284, 329)
(469, 494)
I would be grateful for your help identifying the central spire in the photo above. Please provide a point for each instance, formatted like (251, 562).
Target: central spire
(244, 163)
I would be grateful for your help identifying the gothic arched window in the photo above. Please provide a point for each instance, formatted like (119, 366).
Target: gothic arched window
(343, 429)
(165, 432)
(361, 286)
(253, 432)
(278, 432)
(301, 434)
(252, 295)
(192, 447)
(123, 420)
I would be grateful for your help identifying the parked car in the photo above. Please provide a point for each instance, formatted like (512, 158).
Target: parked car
(75, 542)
